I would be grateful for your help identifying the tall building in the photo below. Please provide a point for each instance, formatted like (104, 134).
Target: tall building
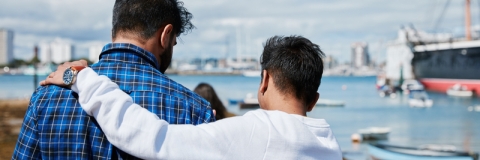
(57, 51)
(360, 56)
(45, 55)
(6, 46)
(329, 62)
(94, 53)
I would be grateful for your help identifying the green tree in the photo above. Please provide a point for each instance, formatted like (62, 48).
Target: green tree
(17, 63)
(34, 60)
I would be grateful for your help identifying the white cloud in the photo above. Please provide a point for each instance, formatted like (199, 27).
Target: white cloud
(334, 25)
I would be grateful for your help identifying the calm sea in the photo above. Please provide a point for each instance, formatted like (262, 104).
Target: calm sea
(448, 121)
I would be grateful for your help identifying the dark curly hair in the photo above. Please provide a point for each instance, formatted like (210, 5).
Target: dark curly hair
(295, 64)
(143, 18)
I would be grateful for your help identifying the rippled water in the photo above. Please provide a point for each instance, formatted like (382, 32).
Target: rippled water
(448, 121)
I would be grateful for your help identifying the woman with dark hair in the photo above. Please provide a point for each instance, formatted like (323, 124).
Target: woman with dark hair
(206, 91)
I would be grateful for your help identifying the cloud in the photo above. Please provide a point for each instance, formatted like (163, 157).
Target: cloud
(334, 25)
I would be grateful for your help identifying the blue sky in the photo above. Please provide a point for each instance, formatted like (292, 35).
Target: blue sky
(334, 25)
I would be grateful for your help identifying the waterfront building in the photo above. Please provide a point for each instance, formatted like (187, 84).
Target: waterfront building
(94, 53)
(45, 55)
(6, 46)
(244, 63)
(360, 55)
(57, 51)
(330, 62)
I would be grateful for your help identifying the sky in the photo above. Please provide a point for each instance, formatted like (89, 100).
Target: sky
(225, 27)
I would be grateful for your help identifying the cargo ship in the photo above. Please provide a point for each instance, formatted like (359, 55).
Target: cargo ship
(438, 61)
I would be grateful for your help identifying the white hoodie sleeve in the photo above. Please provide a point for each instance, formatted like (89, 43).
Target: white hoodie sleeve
(141, 133)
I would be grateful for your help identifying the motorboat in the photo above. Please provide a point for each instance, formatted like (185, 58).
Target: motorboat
(459, 90)
(410, 85)
(387, 151)
(234, 101)
(419, 98)
(385, 90)
(252, 73)
(374, 133)
(249, 102)
(330, 103)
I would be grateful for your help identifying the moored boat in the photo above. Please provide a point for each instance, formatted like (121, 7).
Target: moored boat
(249, 102)
(330, 103)
(252, 102)
(384, 151)
(459, 91)
(252, 73)
(419, 98)
(374, 133)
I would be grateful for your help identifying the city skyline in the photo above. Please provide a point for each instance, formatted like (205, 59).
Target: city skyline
(222, 24)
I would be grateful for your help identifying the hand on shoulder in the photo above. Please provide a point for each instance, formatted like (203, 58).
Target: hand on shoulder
(56, 77)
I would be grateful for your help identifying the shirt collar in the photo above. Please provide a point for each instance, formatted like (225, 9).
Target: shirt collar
(136, 50)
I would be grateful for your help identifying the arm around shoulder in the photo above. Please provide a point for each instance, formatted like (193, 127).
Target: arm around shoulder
(137, 131)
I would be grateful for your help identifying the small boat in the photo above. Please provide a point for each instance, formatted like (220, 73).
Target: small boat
(387, 91)
(419, 98)
(252, 102)
(234, 101)
(330, 103)
(374, 133)
(459, 90)
(384, 151)
(249, 102)
(410, 85)
(252, 73)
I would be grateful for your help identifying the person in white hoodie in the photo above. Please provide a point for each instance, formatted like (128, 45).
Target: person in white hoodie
(292, 69)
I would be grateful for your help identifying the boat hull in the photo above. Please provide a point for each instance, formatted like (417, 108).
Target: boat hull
(442, 65)
(442, 85)
(457, 93)
(378, 151)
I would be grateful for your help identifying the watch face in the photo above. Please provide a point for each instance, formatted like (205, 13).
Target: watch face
(68, 76)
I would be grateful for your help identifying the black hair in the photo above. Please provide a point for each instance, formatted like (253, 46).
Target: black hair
(296, 65)
(208, 93)
(143, 18)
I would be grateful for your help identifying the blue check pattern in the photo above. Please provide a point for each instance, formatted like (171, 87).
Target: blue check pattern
(56, 127)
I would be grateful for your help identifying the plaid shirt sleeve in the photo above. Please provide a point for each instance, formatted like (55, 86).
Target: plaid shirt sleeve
(28, 140)
(206, 115)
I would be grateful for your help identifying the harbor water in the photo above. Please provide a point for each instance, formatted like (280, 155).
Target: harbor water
(450, 121)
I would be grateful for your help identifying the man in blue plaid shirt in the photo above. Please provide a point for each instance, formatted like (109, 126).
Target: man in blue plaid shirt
(144, 33)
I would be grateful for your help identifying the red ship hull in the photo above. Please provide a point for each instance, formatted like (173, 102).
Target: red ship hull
(442, 85)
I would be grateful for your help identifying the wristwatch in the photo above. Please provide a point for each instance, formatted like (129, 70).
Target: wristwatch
(70, 75)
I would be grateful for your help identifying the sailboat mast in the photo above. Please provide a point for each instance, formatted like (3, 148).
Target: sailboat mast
(467, 20)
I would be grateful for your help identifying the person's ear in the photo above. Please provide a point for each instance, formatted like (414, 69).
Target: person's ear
(313, 103)
(166, 34)
(264, 83)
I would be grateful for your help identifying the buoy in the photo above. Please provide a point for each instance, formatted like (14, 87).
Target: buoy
(356, 138)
